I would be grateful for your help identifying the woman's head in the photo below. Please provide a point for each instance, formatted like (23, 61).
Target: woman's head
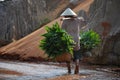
(70, 16)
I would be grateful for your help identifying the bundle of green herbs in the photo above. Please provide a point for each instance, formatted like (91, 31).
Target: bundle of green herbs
(89, 40)
(56, 41)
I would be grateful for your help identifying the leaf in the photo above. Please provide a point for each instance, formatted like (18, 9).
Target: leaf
(89, 40)
(56, 41)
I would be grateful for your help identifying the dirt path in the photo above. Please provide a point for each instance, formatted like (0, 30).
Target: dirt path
(29, 71)
(32, 71)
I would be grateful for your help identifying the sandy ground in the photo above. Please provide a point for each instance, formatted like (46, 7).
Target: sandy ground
(54, 71)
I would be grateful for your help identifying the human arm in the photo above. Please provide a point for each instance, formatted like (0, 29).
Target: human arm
(82, 22)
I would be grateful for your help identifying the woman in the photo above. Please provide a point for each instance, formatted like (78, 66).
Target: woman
(72, 24)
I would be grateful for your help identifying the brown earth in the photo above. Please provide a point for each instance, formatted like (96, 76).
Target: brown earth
(9, 72)
(27, 47)
(67, 77)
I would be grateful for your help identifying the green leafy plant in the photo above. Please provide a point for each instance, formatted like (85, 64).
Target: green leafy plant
(89, 40)
(56, 41)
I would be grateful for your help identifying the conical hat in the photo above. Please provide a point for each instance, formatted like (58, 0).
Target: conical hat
(68, 12)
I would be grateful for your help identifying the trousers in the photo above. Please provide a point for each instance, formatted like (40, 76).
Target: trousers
(77, 55)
